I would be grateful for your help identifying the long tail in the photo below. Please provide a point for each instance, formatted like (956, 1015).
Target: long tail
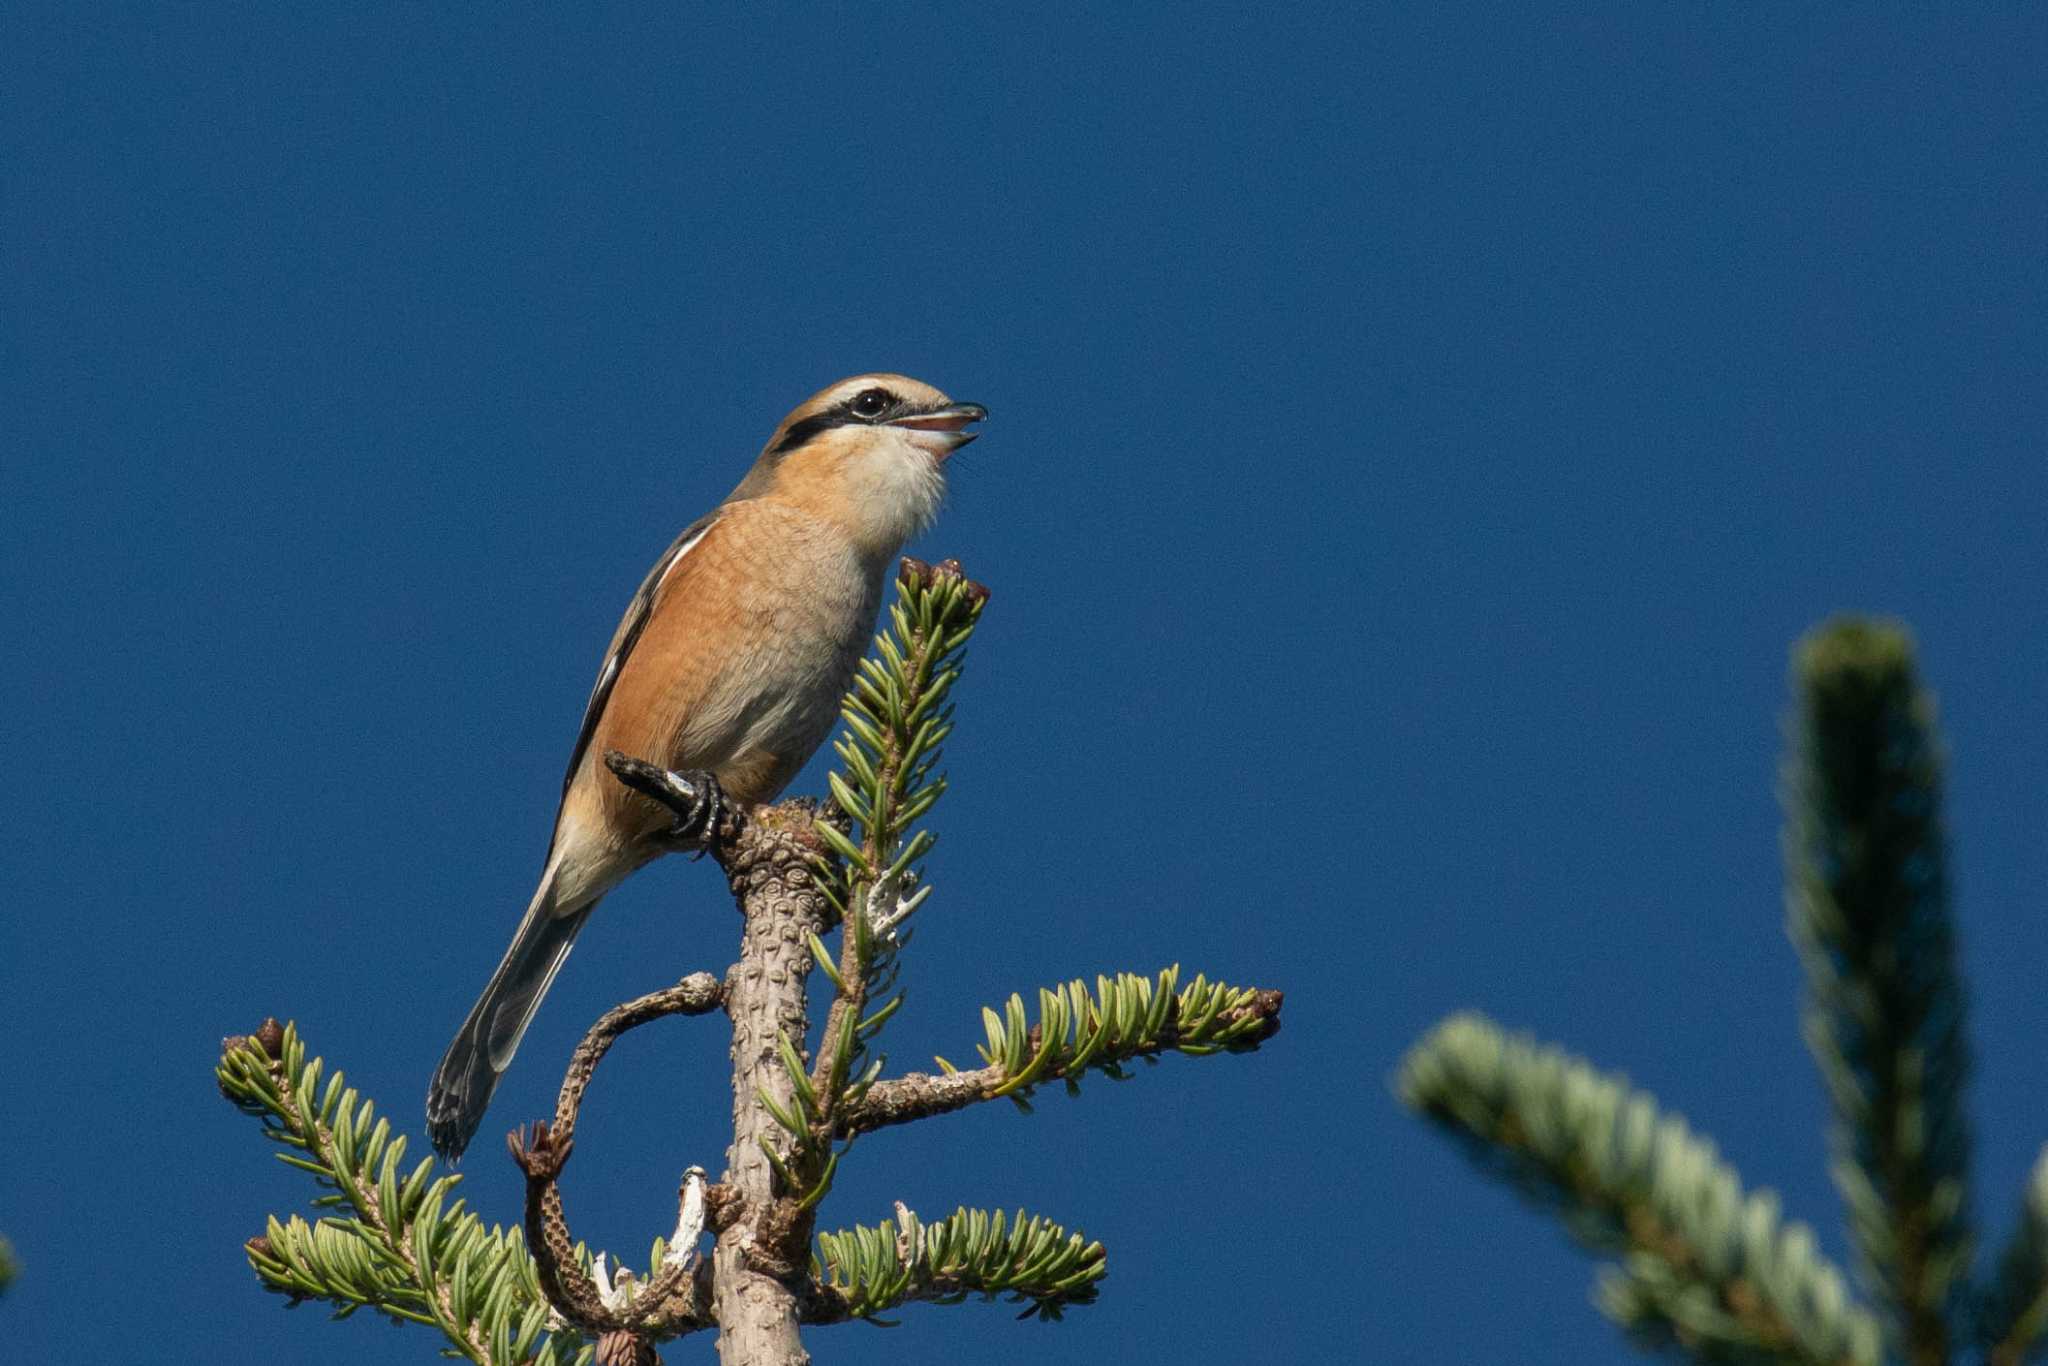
(483, 1047)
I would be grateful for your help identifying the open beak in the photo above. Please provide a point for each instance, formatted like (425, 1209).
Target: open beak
(944, 430)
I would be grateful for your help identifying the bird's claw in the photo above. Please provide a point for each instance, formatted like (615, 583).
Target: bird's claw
(698, 826)
(693, 796)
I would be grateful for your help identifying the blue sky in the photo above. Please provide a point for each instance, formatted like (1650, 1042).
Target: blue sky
(1419, 433)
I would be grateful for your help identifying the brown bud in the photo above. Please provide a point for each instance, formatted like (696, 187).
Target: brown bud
(723, 1206)
(1264, 1007)
(270, 1038)
(947, 569)
(778, 1249)
(977, 593)
(913, 573)
(622, 1348)
(537, 1151)
(259, 1247)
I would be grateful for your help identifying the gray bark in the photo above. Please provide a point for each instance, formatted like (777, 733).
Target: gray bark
(769, 867)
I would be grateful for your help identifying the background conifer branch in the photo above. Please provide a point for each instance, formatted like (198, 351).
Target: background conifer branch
(1705, 1265)
(1867, 906)
(2013, 1315)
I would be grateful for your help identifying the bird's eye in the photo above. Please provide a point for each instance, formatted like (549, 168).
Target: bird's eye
(870, 403)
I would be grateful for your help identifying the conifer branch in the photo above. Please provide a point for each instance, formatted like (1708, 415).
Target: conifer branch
(397, 1246)
(1126, 1018)
(1705, 1266)
(393, 1244)
(1867, 906)
(2012, 1321)
(865, 1271)
(897, 718)
(9, 1266)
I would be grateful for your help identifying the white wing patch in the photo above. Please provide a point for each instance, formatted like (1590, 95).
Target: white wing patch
(675, 557)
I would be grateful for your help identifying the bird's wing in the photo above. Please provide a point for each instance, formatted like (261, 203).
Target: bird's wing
(628, 635)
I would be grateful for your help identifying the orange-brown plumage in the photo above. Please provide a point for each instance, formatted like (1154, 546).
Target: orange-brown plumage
(731, 658)
(749, 642)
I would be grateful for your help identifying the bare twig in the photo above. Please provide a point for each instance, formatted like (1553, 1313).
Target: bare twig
(698, 994)
(674, 1302)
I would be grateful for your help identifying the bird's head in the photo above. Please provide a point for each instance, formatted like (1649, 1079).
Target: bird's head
(868, 454)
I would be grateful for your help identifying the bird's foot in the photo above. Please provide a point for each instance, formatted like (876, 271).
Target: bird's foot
(693, 796)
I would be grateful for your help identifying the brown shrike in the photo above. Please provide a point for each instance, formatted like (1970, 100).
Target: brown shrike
(731, 659)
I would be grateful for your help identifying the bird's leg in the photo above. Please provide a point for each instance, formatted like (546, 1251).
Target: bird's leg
(694, 796)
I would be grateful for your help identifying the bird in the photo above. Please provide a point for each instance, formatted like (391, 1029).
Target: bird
(731, 659)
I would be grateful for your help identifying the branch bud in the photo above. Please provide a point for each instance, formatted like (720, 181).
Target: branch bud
(537, 1151)
(622, 1348)
(724, 1205)
(1264, 1007)
(269, 1037)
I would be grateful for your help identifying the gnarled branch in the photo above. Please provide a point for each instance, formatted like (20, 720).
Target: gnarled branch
(675, 1301)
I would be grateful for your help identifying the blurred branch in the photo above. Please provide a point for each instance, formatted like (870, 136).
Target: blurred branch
(1704, 1266)
(1867, 906)
(2012, 1319)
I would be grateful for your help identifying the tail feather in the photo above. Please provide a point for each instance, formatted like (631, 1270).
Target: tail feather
(483, 1047)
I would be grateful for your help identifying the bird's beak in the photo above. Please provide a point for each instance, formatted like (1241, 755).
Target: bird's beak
(944, 428)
